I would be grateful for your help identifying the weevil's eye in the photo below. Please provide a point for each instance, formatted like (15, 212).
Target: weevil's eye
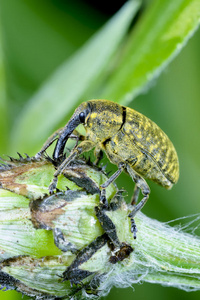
(82, 117)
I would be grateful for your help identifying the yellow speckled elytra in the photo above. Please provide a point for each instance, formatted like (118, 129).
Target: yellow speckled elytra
(130, 140)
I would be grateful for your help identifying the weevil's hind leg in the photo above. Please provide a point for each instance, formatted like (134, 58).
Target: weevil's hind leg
(48, 142)
(133, 227)
(82, 147)
(140, 185)
(134, 201)
(135, 196)
(112, 178)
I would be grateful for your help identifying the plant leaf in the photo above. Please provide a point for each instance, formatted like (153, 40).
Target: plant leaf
(157, 38)
(3, 108)
(63, 90)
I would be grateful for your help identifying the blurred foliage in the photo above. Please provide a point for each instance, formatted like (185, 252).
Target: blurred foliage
(39, 36)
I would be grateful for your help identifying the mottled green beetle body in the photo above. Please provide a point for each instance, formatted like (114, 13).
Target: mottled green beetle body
(126, 135)
(130, 140)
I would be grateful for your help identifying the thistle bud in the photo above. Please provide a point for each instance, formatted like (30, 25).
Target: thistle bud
(70, 245)
(55, 245)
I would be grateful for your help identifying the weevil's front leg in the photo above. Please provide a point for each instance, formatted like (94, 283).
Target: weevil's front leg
(82, 147)
(109, 181)
(48, 142)
(76, 135)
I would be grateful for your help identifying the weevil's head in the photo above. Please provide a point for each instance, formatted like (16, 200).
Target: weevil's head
(79, 117)
(101, 119)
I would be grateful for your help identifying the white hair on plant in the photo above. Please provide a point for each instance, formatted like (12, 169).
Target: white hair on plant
(162, 254)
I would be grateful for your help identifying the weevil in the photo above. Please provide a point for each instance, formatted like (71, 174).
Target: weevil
(130, 140)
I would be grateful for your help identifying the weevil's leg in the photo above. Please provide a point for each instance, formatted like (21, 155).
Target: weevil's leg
(54, 136)
(112, 178)
(133, 227)
(82, 147)
(109, 181)
(135, 196)
(143, 186)
(98, 154)
(48, 143)
(77, 136)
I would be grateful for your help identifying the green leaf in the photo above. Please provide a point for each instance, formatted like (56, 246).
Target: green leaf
(62, 92)
(3, 108)
(34, 48)
(158, 37)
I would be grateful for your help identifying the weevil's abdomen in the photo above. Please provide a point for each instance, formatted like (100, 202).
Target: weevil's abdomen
(155, 146)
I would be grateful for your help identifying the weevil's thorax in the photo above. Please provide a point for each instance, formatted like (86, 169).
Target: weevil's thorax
(104, 120)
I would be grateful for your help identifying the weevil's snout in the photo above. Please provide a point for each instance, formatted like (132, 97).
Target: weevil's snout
(79, 117)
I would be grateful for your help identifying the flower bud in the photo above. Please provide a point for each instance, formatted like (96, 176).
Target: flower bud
(60, 245)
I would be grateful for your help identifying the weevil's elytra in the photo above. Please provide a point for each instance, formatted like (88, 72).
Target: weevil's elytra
(153, 143)
(130, 140)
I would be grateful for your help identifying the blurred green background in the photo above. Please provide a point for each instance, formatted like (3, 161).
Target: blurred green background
(37, 36)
